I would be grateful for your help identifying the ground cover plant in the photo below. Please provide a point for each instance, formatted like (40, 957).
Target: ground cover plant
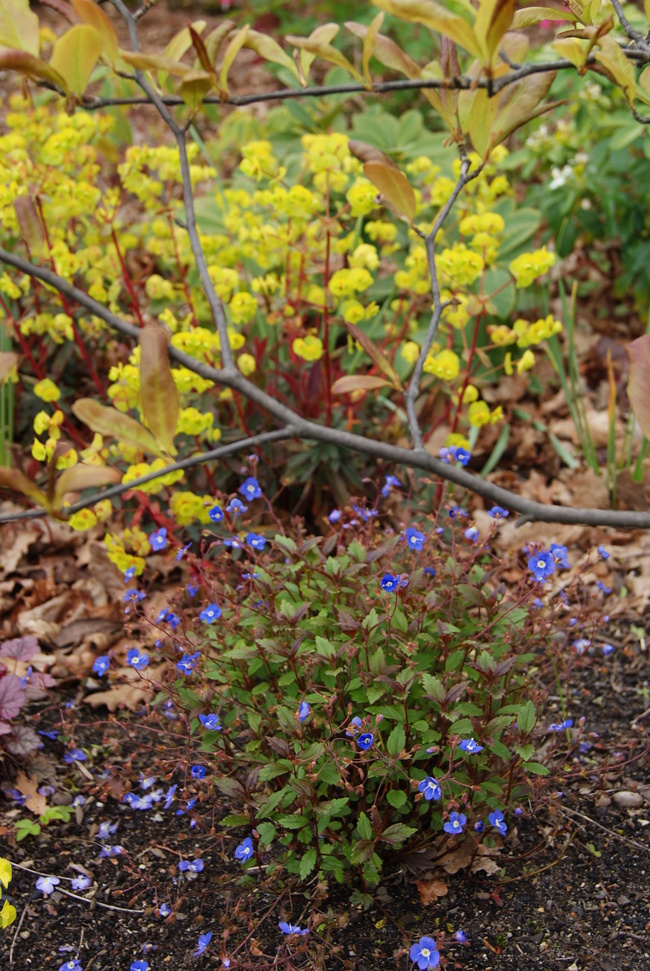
(372, 685)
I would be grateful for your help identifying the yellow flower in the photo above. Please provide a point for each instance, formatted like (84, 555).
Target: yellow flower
(243, 307)
(352, 311)
(5, 872)
(366, 256)
(84, 519)
(309, 348)
(246, 364)
(7, 914)
(362, 197)
(525, 362)
(410, 351)
(478, 414)
(445, 365)
(528, 266)
(46, 390)
(458, 440)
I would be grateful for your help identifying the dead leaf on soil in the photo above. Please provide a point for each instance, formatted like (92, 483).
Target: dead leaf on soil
(29, 786)
(130, 694)
(431, 890)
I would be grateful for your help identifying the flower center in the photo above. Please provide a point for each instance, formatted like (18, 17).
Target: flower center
(541, 565)
(425, 952)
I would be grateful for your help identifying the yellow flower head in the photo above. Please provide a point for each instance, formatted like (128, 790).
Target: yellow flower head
(309, 348)
(445, 365)
(528, 266)
(46, 390)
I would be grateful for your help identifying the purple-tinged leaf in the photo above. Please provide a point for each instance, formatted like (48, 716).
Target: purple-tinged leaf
(12, 696)
(20, 648)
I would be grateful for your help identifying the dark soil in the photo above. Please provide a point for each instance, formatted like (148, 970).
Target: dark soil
(575, 895)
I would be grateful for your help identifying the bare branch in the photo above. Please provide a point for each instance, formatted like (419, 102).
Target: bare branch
(629, 29)
(216, 306)
(430, 241)
(460, 83)
(212, 456)
(309, 430)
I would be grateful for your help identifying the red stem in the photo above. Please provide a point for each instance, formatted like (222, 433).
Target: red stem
(126, 278)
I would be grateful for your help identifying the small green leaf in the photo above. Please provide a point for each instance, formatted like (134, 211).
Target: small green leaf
(307, 864)
(396, 798)
(396, 740)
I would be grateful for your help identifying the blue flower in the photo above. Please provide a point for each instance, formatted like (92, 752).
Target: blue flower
(129, 573)
(430, 571)
(608, 649)
(245, 850)
(537, 604)
(603, 553)
(541, 565)
(292, 928)
(76, 755)
(198, 772)
(204, 940)
(415, 538)
(498, 512)
(158, 540)
(461, 937)
(236, 507)
(560, 726)
(425, 953)
(469, 745)
(210, 613)
(496, 820)
(463, 456)
(53, 734)
(136, 660)
(110, 851)
(101, 665)
(430, 788)
(216, 514)
(165, 910)
(187, 662)
(601, 586)
(391, 483)
(73, 965)
(560, 555)
(106, 829)
(304, 711)
(390, 582)
(365, 514)
(334, 516)
(169, 797)
(250, 489)
(519, 811)
(256, 541)
(581, 645)
(81, 882)
(47, 885)
(133, 596)
(365, 741)
(192, 588)
(355, 723)
(456, 823)
(455, 511)
(479, 827)
(194, 866)
(139, 966)
(211, 722)
(472, 534)
(180, 553)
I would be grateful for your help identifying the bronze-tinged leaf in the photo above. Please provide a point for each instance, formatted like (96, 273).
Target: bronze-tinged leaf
(29, 223)
(155, 62)
(318, 45)
(32, 67)
(13, 479)
(395, 188)
(75, 54)
(235, 43)
(112, 423)
(81, 477)
(201, 52)
(216, 37)
(436, 17)
(19, 26)
(91, 14)
(194, 87)
(158, 393)
(8, 361)
(493, 19)
(377, 356)
(530, 16)
(359, 382)
(268, 49)
(638, 381)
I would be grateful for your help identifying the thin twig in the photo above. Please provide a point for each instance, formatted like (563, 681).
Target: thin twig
(310, 430)
(430, 243)
(458, 83)
(17, 931)
(628, 28)
(616, 836)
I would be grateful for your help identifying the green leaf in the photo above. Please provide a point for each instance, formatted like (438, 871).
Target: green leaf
(364, 826)
(292, 822)
(396, 740)
(535, 768)
(362, 851)
(526, 718)
(75, 54)
(433, 687)
(267, 832)
(500, 749)
(397, 798)
(26, 827)
(397, 833)
(237, 819)
(307, 864)
(436, 17)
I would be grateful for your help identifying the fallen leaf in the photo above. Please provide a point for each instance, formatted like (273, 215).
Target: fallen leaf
(29, 786)
(431, 890)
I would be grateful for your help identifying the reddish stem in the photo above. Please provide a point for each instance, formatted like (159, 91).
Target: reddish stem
(326, 318)
(126, 278)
